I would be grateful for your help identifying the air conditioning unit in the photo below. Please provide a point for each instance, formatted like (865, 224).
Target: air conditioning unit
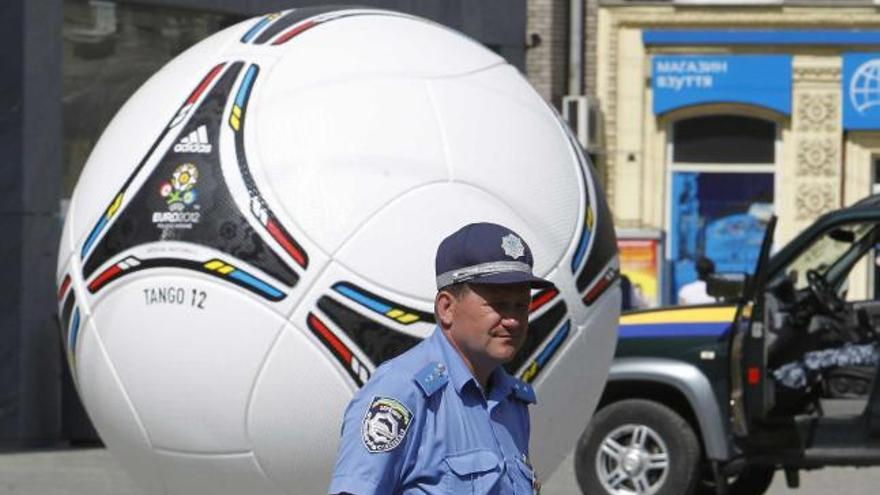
(581, 112)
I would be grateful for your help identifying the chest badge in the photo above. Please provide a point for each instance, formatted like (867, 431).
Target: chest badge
(385, 424)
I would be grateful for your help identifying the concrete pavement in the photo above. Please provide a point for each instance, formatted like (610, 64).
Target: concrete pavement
(95, 472)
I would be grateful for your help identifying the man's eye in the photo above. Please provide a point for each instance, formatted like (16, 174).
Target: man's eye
(509, 306)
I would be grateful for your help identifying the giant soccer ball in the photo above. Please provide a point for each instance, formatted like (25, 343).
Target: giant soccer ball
(255, 232)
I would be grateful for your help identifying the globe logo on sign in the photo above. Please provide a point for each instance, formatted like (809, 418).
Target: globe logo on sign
(864, 87)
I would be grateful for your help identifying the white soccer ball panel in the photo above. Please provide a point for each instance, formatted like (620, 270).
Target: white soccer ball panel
(398, 243)
(571, 381)
(361, 47)
(340, 152)
(228, 474)
(502, 138)
(296, 413)
(112, 412)
(188, 365)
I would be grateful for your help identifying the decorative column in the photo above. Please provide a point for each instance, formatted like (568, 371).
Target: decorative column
(810, 179)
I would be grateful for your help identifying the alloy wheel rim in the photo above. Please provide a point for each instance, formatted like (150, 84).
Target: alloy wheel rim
(633, 460)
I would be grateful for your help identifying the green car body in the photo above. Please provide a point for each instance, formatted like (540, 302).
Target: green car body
(692, 404)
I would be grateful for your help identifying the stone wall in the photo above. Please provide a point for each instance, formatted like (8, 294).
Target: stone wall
(547, 59)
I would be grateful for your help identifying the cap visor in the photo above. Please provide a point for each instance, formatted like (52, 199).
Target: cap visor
(512, 278)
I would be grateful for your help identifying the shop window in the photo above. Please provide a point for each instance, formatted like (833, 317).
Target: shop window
(724, 139)
(721, 194)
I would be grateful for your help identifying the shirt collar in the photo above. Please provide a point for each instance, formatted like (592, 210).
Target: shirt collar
(460, 375)
(502, 384)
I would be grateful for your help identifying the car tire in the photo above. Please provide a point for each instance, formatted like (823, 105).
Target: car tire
(637, 446)
(753, 480)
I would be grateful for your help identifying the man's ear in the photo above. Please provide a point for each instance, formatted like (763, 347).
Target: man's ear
(444, 306)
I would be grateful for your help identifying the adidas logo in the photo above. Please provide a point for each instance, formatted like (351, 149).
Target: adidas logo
(195, 142)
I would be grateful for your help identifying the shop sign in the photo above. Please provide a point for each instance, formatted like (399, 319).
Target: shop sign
(861, 90)
(683, 80)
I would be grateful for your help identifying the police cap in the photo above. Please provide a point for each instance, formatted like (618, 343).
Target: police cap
(485, 253)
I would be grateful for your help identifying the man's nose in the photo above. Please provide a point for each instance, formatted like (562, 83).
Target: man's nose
(511, 319)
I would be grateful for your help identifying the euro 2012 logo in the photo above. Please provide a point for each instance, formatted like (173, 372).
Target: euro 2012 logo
(180, 191)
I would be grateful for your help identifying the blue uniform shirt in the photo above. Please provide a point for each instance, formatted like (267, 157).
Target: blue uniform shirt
(422, 425)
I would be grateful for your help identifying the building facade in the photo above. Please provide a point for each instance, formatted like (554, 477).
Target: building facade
(717, 114)
(546, 38)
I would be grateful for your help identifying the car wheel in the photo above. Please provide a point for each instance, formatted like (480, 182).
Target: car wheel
(637, 447)
(753, 480)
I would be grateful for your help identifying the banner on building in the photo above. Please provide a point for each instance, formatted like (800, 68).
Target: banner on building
(684, 80)
(861, 91)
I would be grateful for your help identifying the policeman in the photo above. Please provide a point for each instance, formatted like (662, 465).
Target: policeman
(445, 417)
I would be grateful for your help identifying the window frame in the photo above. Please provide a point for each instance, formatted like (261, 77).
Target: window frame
(672, 166)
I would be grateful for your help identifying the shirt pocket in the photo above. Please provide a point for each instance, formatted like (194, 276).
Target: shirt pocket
(472, 473)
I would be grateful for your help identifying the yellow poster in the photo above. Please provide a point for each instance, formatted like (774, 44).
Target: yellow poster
(638, 261)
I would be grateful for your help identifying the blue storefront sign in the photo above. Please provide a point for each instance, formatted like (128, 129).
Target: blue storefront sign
(861, 91)
(683, 80)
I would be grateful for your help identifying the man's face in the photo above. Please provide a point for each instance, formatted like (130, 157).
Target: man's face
(489, 322)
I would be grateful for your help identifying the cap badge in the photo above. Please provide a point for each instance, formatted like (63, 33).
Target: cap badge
(512, 246)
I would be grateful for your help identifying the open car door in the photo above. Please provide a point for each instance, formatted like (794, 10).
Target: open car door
(749, 396)
(795, 331)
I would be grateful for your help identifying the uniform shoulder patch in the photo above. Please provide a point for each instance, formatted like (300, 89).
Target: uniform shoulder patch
(524, 392)
(431, 378)
(385, 425)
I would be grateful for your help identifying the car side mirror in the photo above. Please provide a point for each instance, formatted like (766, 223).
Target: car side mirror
(726, 286)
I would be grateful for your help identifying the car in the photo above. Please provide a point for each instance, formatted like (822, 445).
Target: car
(781, 375)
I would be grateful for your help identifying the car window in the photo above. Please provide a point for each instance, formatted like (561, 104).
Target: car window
(826, 251)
